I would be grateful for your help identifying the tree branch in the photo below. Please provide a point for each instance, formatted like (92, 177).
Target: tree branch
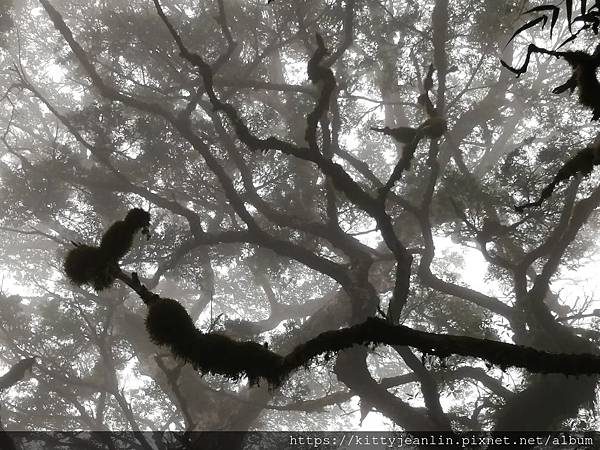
(215, 353)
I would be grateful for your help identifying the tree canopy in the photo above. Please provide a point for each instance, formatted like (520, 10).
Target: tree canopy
(357, 212)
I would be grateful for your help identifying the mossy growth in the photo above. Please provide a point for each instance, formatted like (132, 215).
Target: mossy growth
(117, 240)
(98, 266)
(168, 323)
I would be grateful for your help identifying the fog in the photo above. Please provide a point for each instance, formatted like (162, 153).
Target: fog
(193, 192)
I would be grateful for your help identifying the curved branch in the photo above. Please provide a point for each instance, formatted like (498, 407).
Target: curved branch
(169, 324)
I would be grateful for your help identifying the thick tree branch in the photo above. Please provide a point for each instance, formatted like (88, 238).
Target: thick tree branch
(218, 354)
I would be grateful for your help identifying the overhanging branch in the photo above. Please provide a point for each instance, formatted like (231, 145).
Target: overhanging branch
(169, 324)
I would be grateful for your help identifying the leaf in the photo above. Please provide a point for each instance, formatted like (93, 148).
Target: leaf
(569, 4)
(554, 18)
(555, 11)
(583, 6)
(528, 25)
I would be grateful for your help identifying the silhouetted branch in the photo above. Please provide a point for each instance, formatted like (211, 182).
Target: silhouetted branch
(231, 44)
(258, 236)
(340, 178)
(583, 77)
(318, 73)
(582, 163)
(169, 324)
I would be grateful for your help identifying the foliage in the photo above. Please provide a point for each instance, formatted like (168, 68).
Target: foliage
(261, 234)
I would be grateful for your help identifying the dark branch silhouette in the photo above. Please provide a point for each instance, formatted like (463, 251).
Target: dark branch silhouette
(169, 324)
(581, 164)
(324, 76)
(433, 128)
(584, 67)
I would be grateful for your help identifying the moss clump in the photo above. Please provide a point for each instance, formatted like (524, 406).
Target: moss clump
(117, 240)
(168, 323)
(98, 266)
(86, 264)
